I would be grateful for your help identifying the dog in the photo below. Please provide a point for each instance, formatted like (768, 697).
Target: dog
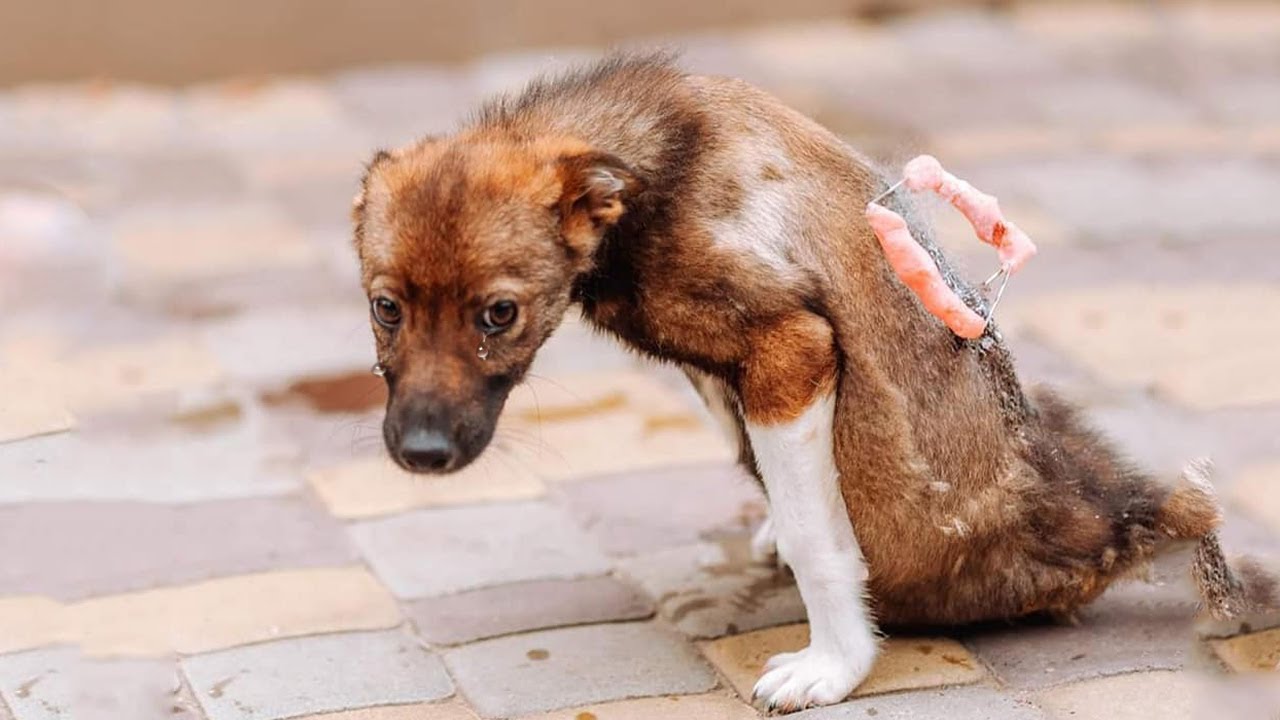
(910, 477)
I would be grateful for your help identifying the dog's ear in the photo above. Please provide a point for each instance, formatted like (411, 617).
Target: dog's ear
(594, 190)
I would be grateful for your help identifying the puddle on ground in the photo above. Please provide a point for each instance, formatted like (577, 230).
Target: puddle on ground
(354, 392)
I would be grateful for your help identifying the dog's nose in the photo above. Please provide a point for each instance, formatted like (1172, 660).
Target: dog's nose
(427, 450)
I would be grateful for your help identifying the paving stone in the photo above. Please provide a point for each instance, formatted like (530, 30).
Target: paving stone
(118, 375)
(974, 144)
(1255, 493)
(93, 118)
(420, 711)
(214, 241)
(374, 486)
(1251, 653)
(287, 344)
(818, 52)
(132, 463)
(609, 423)
(33, 405)
(38, 685)
(1138, 696)
(231, 611)
(904, 663)
(683, 707)
(1246, 100)
(555, 669)
(295, 677)
(1164, 437)
(971, 44)
(1132, 627)
(1195, 345)
(1087, 22)
(708, 590)
(519, 607)
(1114, 200)
(176, 176)
(1168, 139)
(401, 105)
(1096, 102)
(964, 703)
(106, 548)
(650, 510)
(127, 690)
(29, 622)
(437, 552)
(1240, 697)
(247, 117)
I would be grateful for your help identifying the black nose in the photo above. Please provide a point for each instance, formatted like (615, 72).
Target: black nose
(427, 450)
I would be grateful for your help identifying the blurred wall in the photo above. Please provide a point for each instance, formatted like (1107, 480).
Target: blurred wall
(173, 41)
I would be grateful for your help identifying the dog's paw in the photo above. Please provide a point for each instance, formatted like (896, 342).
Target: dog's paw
(795, 681)
(764, 545)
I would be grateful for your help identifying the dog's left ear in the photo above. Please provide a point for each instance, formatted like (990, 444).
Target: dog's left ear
(595, 188)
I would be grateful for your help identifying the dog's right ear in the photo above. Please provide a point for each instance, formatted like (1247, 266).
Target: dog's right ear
(594, 190)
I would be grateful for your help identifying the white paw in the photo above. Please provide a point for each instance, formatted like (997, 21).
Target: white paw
(795, 681)
(764, 545)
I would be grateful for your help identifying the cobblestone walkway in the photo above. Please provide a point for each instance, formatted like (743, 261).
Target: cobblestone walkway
(197, 520)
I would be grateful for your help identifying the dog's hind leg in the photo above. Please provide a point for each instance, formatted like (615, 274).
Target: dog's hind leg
(788, 400)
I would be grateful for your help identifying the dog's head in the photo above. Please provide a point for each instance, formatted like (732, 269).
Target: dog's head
(467, 241)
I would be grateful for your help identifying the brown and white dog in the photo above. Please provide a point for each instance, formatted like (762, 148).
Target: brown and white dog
(702, 222)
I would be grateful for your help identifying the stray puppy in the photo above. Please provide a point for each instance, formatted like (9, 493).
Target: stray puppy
(702, 222)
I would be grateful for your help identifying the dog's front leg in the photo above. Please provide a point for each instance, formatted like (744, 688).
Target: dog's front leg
(788, 403)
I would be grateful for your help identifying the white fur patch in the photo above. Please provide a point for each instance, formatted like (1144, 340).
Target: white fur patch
(762, 228)
(815, 537)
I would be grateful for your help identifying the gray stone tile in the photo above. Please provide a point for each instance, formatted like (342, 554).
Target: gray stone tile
(643, 511)
(520, 607)
(437, 552)
(970, 44)
(555, 669)
(1113, 200)
(38, 684)
(1133, 626)
(129, 690)
(400, 105)
(102, 548)
(965, 703)
(709, 590)
(274, 347)
(163, 466)
(315, 674)
(1093, 102)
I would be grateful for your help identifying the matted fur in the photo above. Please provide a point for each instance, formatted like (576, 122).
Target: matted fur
(731, 241)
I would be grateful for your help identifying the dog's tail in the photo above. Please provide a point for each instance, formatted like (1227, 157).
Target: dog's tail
(1228, 589)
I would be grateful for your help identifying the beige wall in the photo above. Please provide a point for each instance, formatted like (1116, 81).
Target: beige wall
(183, 40)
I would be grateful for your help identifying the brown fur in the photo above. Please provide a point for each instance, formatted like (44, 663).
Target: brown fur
(971, 500)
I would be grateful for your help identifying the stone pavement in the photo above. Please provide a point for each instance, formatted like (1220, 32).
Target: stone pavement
(197, 521)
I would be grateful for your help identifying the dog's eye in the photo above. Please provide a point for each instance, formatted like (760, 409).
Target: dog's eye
(386, 312)
(498, 316)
